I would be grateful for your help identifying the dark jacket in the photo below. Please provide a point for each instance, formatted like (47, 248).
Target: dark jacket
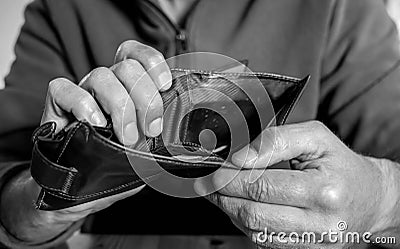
(350, 48)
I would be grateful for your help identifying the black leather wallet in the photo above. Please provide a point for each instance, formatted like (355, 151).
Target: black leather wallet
(204, 113)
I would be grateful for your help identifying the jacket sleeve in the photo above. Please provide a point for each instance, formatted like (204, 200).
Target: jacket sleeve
(39, 59)
(360, 84)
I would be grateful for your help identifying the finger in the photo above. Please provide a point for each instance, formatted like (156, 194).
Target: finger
(116, 102)
(258, 216)
(151, 59)
(305, 141)
(283, 187)
(144, 93)
(65, 97)
(291, 188)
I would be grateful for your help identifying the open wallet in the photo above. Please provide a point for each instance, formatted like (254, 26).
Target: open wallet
(208, 115)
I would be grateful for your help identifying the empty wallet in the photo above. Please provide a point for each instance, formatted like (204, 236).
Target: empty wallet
(208, 116)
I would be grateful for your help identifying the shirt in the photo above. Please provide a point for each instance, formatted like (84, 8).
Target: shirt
(350, 48)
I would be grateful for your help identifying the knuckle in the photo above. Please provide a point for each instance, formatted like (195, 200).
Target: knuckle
(55, 86)
(99, 80)
(279, 141)
(151, 56)
(318, 127)
(321, 138)
(122, 67)
(332, 196)
(316, 124)
(126, 46)
(261, 190)
(250, 216)
(128, 67)
(154, 57)
(100, 74)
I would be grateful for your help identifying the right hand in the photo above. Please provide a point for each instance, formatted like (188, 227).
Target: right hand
(128, 92)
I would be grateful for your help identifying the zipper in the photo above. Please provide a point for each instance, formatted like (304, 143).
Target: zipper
(181, 42)
(181, 36)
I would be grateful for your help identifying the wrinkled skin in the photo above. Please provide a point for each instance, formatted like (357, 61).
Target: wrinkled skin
(329, 183)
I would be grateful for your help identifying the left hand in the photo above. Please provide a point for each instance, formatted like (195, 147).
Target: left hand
(329, 183)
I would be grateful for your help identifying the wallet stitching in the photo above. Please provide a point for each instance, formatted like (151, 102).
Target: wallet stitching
(68, 179)
(211, 154)
(81, 197)
(40, 202)
(179, 144)
(68, 183)
(189, 111)
(50, 188)
(268, 75)
(69, 174)
(69, 137)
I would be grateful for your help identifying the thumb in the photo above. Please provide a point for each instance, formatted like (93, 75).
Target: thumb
(303, 141)
(64, 98)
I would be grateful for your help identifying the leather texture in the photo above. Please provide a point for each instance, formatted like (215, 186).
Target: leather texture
(83, 163)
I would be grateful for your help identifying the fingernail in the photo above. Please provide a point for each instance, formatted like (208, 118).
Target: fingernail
(165, 80)
(131, 134)
(97, 119)
(155, 127)
(244, 157)
(200, 188)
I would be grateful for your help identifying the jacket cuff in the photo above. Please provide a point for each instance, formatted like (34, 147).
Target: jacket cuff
(8, 240)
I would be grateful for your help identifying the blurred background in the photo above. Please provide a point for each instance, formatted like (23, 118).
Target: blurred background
(11, 12)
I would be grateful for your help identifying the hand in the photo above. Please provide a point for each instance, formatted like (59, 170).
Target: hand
(128, 92)
(329, 183)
